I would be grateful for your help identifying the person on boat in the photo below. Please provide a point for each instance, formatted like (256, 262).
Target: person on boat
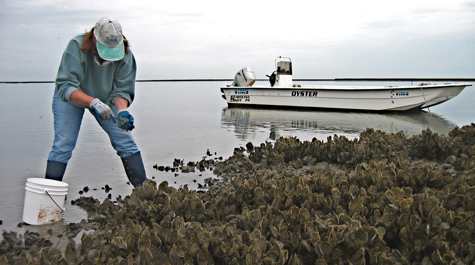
(97, 72)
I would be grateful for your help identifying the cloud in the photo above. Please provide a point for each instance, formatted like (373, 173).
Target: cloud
(213, 39)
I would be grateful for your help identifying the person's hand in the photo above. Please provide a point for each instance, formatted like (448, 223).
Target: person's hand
(126, 121)
(101, 110)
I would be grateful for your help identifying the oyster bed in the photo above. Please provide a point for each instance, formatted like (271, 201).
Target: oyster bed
(380, 199)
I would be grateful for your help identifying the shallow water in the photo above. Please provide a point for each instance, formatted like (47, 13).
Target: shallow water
(173, 120)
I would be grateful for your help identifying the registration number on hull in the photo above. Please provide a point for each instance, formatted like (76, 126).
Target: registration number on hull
(240, 98)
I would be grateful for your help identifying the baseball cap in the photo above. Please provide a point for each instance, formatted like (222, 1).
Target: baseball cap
(110, 41)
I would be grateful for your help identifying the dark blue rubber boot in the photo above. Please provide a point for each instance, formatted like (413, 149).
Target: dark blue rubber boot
(134, 169)
(55, 170)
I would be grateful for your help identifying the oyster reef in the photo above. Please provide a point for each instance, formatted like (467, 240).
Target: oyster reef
(380, 199)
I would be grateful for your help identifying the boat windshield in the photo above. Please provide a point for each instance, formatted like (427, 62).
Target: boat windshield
(284, 67)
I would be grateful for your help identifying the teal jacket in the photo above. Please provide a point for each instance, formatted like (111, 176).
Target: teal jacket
(79, 71)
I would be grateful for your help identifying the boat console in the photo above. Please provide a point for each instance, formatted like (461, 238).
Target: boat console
(282, 76)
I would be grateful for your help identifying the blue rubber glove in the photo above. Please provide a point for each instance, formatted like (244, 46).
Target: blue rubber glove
(126, 121)
(101, 110)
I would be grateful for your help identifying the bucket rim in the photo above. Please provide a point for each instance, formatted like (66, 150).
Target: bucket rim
(49, 188)
(47, 182)
(43, 191)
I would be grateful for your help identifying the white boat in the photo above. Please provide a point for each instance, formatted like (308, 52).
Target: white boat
(282, 92)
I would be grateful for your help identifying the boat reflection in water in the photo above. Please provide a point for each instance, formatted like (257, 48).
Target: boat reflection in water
(251, 124)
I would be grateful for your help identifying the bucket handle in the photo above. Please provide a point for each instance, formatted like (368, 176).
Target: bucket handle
(62, 210)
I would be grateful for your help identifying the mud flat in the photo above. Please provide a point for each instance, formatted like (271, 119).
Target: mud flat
(380, 199)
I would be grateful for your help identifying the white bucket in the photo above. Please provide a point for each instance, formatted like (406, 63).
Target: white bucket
(44, 201)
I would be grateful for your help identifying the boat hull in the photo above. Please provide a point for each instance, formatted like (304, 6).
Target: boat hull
(351, 98)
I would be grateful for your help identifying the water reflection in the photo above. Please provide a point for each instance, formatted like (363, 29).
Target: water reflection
(247, 123)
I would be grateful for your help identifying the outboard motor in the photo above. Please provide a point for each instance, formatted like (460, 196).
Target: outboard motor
(245, 77)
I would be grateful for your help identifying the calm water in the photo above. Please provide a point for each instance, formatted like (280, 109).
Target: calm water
(173, 120)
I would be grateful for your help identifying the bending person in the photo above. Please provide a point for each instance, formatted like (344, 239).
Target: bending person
(97, 72)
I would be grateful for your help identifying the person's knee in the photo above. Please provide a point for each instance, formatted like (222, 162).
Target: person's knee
(125, 148)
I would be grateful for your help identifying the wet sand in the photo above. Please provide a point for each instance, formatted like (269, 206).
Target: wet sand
(380, 199)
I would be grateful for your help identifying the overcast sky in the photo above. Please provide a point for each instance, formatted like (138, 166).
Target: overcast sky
(214, 39)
